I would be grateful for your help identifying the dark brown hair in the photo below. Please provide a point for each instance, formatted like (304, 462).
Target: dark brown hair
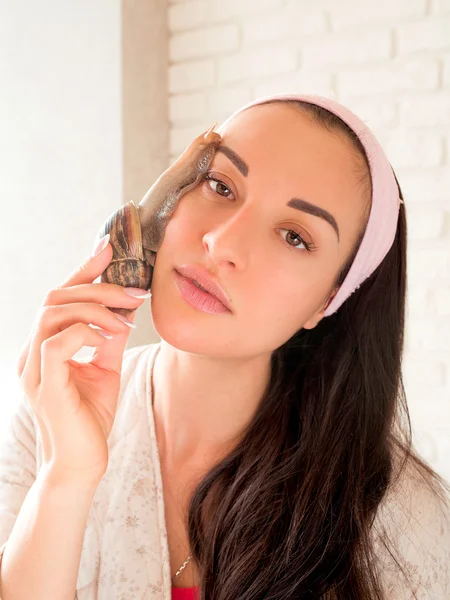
(289, 512)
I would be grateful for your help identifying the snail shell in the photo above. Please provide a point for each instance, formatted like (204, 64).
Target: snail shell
(128, 266)
(136, 232)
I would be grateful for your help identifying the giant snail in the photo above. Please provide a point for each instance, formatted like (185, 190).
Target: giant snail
(136, 232)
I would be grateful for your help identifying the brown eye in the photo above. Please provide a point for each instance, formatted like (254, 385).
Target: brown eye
(294, 234)
(219, 188)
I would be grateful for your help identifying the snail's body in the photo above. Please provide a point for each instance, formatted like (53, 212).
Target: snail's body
(137, 232)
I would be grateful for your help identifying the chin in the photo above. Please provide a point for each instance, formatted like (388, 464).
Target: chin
(189, 330)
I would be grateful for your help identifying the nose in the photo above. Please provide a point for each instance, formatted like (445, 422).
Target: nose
(232, 240)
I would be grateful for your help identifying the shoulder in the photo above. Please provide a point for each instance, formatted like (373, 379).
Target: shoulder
(412, 539)
(136, 363)
(134, 354)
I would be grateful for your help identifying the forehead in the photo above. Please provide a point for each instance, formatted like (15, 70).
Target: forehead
(283, 136)
(289, 155)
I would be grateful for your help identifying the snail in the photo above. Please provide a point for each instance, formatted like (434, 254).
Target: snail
(137, 232)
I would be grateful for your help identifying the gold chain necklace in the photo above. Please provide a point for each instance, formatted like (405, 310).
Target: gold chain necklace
(182, 567)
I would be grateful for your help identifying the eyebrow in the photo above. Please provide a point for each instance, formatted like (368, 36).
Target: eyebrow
(297, 203)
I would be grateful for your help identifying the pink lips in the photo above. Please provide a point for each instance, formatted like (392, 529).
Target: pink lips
(213, 299)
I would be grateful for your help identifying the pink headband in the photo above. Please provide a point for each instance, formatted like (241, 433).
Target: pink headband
(382, 224)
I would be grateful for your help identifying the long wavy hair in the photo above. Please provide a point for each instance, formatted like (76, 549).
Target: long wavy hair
(289, 512)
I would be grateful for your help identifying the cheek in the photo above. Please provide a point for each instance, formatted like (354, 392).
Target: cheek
(272, 302)
(283, 299)
(180, 231)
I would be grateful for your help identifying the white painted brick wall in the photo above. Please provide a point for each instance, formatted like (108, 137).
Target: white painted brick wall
(257, 62)
(186, 77)
(204, 42)
(365, 45)
(426, 110)
(286, 24)
(348, 14)
(413, 148)
(389, 61)
(400, 74)
(424, 35)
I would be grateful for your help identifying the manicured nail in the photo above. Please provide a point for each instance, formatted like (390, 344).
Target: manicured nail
(137, 292)
(101, 245)
(105, 334)
(125, 320)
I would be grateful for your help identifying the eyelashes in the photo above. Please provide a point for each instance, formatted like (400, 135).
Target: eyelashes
(208, 177)
(308, 246)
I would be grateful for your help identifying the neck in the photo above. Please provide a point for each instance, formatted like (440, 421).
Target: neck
(202, 403)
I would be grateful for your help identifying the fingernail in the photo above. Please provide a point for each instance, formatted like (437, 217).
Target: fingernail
(125, 320)
(137, 292)
(105, 334)
(101, 245)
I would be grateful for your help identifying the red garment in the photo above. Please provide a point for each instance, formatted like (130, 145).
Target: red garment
(189, 593)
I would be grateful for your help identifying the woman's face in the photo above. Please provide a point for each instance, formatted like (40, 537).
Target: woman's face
(243, 231)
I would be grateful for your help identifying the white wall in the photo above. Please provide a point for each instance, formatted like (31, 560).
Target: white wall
(60, 153)
(388, 61)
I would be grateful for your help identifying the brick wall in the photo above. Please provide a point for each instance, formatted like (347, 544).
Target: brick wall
(388, 61)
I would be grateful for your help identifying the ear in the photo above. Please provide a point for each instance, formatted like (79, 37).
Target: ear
(318, 315)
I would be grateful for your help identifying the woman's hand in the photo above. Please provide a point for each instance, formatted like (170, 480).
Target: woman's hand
(75, 403)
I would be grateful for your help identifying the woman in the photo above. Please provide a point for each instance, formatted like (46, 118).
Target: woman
(260, 442)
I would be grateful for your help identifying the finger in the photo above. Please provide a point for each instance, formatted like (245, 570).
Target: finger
(77, 285)
(108, 319)
(26, 347)
(31, 376)
(55, 318)
(104, 318)
(110, 356)
(22, 358)
(24, 355)
(58, 350)
(90, 269)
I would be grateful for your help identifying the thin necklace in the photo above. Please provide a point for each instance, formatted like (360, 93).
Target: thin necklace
(182, 567)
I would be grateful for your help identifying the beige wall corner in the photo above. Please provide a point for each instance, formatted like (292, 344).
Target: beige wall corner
(145, 119)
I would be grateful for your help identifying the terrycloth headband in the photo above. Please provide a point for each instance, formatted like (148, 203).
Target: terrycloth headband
(382, 224)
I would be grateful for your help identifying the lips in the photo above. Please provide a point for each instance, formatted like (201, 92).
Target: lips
(196, 283)
(206, 280)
